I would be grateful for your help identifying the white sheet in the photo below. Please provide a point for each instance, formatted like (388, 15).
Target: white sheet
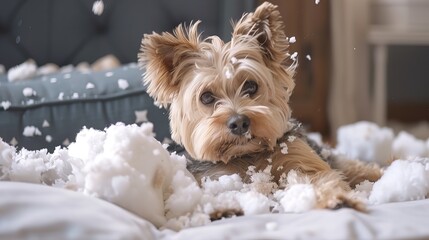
(41, 212)
(404, 220)
(30, 211)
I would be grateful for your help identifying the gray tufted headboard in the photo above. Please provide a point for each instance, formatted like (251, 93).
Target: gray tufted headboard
(67, 32)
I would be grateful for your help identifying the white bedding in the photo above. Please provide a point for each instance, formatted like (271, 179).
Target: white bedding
(30, 211)
(404, 220)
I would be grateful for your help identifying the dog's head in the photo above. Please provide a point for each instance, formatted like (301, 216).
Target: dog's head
(226, 99)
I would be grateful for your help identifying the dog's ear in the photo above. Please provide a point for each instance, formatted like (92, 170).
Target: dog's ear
(265, 26)
(166, 58)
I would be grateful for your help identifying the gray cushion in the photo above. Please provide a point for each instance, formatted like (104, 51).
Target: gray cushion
(96, 107)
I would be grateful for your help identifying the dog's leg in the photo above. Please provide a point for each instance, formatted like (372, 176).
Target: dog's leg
(296, 155)
(331, 189)
(356, 171)
(333, 192)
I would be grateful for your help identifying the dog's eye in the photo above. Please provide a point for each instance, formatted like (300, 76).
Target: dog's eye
(250, 87)
(207, 98)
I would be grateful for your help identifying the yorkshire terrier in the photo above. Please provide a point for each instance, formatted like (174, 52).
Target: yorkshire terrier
(228, 105)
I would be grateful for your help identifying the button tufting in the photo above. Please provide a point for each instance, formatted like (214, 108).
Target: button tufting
(3, 28)
(101, 28)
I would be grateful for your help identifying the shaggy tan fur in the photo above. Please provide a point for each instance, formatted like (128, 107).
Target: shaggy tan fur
(181, 68)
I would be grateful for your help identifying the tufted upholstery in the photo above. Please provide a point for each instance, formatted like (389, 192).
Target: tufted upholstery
(67, 32)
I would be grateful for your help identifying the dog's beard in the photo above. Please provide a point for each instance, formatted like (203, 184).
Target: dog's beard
(211, 140)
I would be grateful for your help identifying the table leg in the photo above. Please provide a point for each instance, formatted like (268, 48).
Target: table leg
(379, 92)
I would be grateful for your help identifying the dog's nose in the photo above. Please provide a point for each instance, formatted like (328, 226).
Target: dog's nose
(238, 124)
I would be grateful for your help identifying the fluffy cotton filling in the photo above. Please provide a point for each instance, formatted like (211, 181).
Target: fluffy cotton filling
(126, 165)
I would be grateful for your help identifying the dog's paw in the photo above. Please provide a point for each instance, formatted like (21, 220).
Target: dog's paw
(343, 201)
(225, 213)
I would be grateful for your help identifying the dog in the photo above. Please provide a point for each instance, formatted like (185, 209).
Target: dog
(229, 105)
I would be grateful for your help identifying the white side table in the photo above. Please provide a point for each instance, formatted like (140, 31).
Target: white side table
(381, 37)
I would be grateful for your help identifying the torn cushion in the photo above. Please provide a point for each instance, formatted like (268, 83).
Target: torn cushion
(50, 110)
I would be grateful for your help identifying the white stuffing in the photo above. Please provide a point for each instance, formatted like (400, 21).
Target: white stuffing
(47, 69)
(30, 101)
(39, 166)
(119, 166)
(66, 142)
(123, 84)
(25, 70)
(406, 145)
(253, 202)
(308, 57)
(141, 116)
(13, 142)
(363, 190)
(248, 134)
(28, 92)
(6, 104)
(31, 131)
(284, 148)
(224, 183)
(98, 7)
(7, 156)
(67, 68)
(294, 56)
(261, 181)
(90, 85)
(126, 165)
(184, 197)
(45, 124)
(316, 137)
(297, 198)
(298, 194)
(366, 141)
(29, 69)
(229, 71)
(291, 139)
(404, 180)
